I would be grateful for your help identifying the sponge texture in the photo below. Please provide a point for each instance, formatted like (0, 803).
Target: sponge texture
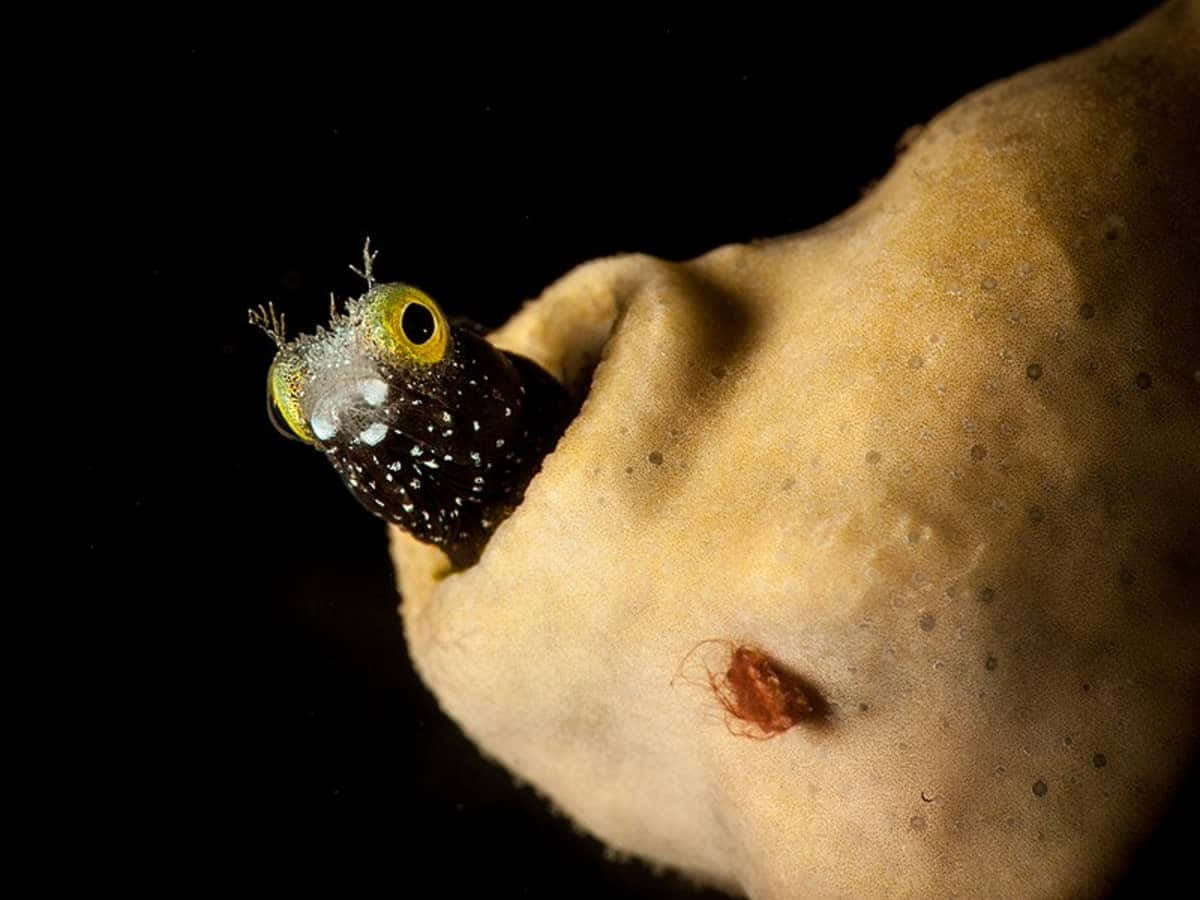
(933, 466)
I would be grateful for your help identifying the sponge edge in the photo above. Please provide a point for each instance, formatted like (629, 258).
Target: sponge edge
(937, 458)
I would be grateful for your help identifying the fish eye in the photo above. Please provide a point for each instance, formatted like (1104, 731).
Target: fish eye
(284, 382)
(406, 324)
(417, 323)
(277, 420)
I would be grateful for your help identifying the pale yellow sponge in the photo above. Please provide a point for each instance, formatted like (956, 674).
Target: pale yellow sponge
(871, 565)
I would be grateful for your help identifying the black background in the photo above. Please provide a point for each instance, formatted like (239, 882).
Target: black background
(280, 730)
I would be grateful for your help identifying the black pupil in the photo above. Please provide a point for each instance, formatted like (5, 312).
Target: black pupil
(417, 323)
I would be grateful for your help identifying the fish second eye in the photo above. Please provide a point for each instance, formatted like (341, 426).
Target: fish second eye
(418, 323)
(285, 381)
(279, 422)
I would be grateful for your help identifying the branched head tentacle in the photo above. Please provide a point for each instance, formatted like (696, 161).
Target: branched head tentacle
(366, 273)
(272, 323)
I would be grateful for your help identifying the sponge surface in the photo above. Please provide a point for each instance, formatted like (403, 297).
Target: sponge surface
(938, 461)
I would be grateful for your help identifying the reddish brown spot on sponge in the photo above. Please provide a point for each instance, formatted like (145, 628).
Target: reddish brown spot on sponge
(763, 694)
(761, 697)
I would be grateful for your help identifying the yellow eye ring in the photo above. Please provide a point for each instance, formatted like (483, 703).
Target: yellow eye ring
(284, 381)
(408, 324)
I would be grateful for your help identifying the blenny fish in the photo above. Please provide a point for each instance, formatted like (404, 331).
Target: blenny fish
(428, 424)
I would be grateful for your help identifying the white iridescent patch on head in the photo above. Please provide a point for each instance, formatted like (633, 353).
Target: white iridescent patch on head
(374, 391)
(324, 425)
(373, 434)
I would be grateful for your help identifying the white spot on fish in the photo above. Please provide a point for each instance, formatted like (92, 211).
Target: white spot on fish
(416, 451)
(430, 463)
(476, 458)
(446, 417)
(324, 426)
(476, 424)
(373, 433)
(374, 391)
(499, 443)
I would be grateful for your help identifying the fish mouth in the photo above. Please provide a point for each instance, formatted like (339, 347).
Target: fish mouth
(349, 403)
